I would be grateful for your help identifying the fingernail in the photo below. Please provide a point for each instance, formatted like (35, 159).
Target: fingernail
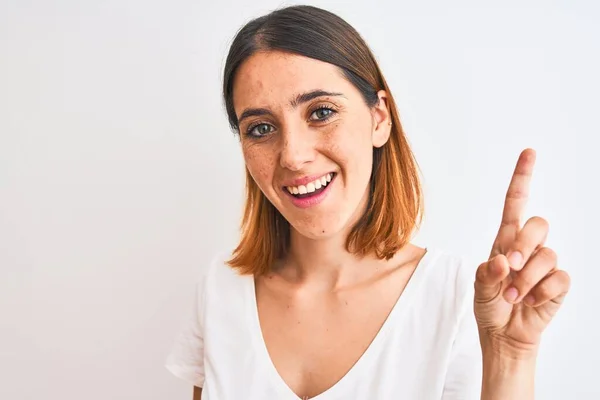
(515, 259)
(529, 300)
(511, 294)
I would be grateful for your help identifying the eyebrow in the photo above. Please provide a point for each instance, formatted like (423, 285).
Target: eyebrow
(294, 103)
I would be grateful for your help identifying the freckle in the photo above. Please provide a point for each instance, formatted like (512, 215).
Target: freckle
(346, 301)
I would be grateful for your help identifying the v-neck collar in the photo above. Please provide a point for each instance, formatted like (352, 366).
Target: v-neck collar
(394, 318)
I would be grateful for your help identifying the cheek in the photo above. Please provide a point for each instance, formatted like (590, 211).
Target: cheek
(332, 139)
(349, 143)
(260, 164)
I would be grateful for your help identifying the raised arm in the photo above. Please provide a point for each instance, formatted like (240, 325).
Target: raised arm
(517, 292)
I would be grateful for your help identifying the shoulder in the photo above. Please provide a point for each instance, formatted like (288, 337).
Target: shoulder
(219, 283)
(449, 267)
(218, 272)
(449, 279)
(216, 278)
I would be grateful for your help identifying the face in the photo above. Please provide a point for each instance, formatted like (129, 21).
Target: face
(307, 137)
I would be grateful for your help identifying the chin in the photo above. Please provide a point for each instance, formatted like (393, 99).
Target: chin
(317, 230)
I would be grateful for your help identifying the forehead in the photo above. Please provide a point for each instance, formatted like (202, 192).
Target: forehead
(272, 78)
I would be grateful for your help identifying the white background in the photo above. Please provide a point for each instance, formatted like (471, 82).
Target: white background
(119, 177)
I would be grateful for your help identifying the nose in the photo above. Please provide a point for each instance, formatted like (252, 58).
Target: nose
(297, 149)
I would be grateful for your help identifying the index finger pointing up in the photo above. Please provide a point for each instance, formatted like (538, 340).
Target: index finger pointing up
(516, 197)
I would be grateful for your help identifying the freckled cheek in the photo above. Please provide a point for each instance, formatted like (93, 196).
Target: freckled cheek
(261, 166)
(335, 135)
(346, 145)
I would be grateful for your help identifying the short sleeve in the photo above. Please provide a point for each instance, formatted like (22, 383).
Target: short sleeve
(464, 375)
(186, 359)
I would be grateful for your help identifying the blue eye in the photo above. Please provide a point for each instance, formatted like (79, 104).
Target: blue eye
(322, 113)
(259, 130)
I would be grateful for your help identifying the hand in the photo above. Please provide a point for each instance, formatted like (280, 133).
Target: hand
(519, 289)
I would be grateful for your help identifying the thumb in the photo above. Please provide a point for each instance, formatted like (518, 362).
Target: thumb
(489, 277)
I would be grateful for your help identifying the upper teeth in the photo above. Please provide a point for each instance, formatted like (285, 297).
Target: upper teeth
(310, 187)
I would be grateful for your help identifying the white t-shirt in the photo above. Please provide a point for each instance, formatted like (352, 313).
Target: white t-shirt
(428, 348)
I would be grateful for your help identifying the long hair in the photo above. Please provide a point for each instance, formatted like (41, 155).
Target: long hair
(395, 204)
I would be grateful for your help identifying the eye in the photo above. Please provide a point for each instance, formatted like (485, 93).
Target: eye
(259, 130)
(322, 113)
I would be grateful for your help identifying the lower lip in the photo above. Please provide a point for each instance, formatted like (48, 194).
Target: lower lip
(310, 201)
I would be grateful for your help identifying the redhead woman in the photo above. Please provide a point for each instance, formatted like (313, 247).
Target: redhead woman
(325, 297)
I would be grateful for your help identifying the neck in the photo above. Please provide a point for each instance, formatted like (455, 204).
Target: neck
(325, 264)
(324, 260)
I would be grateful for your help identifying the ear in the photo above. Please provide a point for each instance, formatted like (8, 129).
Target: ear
(382, 120)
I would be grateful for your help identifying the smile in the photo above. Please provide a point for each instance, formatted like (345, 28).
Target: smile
(312, 188)
(311, 193)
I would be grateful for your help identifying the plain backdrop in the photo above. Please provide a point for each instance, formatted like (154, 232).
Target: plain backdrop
(119, 177)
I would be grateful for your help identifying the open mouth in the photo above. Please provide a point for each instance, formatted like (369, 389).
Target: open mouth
(313, 188)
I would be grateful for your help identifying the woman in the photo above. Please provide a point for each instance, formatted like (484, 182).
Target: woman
(324, 296)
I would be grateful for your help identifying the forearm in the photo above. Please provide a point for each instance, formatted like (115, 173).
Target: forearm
(506, 377)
